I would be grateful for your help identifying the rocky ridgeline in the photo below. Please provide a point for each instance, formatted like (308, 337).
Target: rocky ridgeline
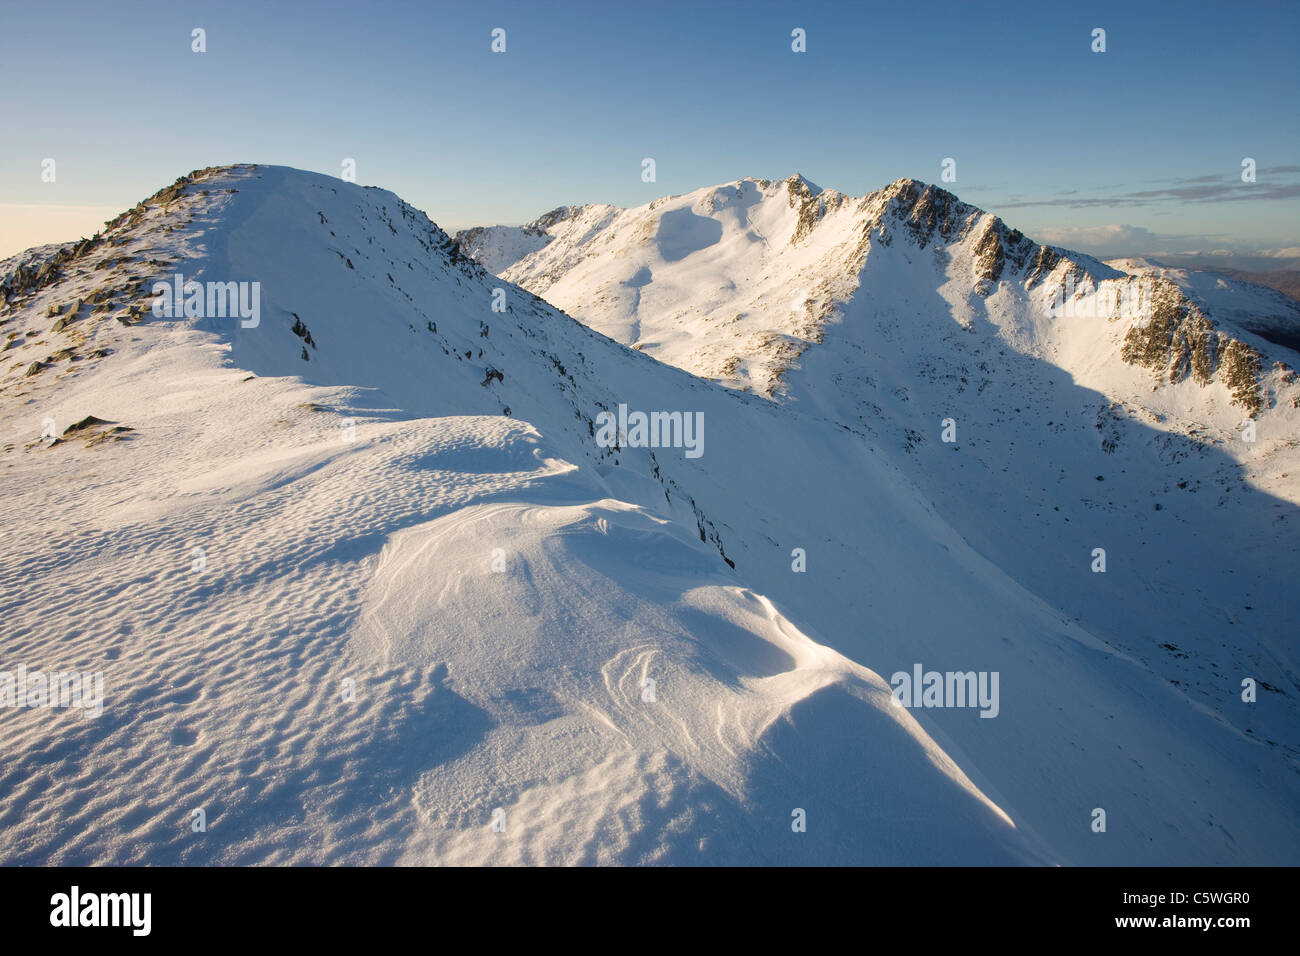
(927, 213)
(1178, 340)
(103, 281)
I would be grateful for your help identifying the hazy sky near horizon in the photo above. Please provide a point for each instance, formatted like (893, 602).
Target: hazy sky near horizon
(1131, 151)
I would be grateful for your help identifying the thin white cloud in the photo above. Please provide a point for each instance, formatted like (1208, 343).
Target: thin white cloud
(1119, 239)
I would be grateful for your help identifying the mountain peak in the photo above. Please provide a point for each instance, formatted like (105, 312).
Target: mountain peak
(929, 212)
(906, 193)
(802, 185)
(908, 182)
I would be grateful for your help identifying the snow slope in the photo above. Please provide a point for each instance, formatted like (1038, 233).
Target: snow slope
(709, 282)
(394, 485)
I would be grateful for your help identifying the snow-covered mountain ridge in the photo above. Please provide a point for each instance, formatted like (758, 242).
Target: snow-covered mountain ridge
(365, 588)
(734, 282)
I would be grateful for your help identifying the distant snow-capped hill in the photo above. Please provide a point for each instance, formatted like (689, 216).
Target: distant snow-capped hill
(498, 247)
(735, 282)
(328, 506)
(707, 281)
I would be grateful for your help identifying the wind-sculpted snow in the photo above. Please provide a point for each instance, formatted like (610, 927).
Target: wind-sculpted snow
(364, 587)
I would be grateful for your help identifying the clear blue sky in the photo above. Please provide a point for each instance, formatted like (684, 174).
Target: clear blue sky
(1053, 137)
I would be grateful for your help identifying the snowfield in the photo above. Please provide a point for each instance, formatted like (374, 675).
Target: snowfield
(364, 588)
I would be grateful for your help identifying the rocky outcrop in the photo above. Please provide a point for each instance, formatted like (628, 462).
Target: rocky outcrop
(1178, 340)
